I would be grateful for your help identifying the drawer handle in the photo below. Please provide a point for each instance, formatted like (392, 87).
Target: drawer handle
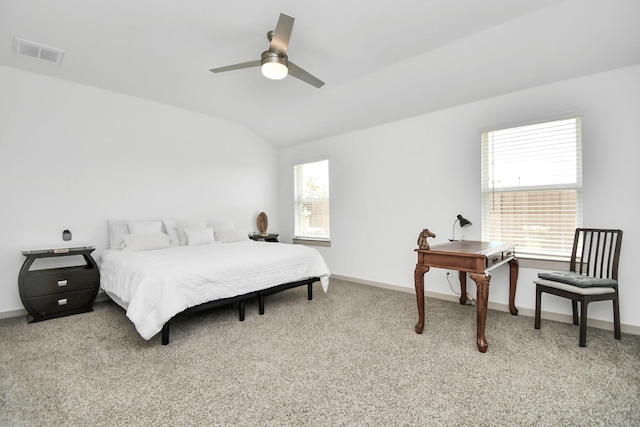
(62, 283)
(62, 301)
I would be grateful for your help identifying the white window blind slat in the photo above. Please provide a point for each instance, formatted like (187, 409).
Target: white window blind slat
(532, 186)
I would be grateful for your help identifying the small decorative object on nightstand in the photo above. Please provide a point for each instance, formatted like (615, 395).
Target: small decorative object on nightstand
(262, 222)
(59, 291)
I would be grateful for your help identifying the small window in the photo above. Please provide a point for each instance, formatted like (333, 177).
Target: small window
(532, 186)
(311, 201)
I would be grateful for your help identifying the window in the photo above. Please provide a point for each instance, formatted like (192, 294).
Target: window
(532, 186)
(311, 201)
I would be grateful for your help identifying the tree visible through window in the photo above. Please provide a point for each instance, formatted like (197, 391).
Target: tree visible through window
(532, 186)
(311, 200)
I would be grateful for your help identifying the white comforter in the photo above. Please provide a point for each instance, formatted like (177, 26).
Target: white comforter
(155, 285)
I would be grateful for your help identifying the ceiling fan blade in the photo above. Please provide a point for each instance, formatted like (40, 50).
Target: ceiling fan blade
(303, 75)
(239, 66)
(281, 35)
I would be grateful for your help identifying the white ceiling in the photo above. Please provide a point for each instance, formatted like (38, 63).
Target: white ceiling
(382, 61)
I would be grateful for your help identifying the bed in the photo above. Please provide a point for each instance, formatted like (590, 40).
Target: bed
(156, 270)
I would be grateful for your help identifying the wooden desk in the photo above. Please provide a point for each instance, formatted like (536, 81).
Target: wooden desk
(475, 258)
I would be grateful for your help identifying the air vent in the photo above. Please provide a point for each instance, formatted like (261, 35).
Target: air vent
(38, 51)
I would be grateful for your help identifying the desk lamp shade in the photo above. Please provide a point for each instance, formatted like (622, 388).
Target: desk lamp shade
(463, 223)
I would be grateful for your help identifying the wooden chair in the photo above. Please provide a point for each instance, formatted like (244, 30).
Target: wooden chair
(593, 276)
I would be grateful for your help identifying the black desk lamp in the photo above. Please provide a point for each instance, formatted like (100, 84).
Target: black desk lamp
(463, 223)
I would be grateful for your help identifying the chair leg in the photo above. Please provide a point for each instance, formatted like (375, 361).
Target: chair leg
(583, 322)
(616, 317)
(574, 306)
(538, 301)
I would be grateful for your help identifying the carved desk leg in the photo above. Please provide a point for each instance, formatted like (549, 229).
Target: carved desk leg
(482, 297)
(463, 287)
(513, 280)
(419, 284)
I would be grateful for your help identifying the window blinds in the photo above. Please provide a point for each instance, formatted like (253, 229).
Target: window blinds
(532, 186)
(311, 200)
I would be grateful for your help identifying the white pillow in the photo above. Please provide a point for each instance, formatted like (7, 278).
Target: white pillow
(199, 236)
(171, 228)
(228, 236)
(117, 229)
(144, 227)
(143, 242)
(182, 225)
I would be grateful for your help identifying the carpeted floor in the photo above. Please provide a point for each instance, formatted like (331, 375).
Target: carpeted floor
(348, 358)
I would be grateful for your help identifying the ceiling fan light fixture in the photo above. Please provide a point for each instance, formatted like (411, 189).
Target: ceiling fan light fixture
(274, 66)
(274, 62)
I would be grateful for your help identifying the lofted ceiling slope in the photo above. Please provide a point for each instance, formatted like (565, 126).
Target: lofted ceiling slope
(381, 61)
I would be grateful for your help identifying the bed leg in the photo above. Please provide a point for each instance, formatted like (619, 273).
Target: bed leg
(310, 291)
(261, 304)
(165, 333)
(241, 310)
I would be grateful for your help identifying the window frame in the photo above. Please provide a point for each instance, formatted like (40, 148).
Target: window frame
(298, 237)
(489, 189)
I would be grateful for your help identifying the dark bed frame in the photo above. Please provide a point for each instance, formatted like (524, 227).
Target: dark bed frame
(241, 300)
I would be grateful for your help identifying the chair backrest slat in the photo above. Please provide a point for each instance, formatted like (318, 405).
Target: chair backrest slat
(596, 252)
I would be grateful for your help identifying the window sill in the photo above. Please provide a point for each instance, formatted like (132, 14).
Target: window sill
(528, 261)
(311, 242)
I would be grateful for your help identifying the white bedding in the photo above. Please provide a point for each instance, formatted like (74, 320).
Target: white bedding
(155, 285)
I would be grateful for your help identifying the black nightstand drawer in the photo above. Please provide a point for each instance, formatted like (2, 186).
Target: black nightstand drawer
(62, 302)
(60, 280)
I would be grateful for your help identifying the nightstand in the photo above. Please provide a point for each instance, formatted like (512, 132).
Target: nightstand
(59, 291)
(268, 237)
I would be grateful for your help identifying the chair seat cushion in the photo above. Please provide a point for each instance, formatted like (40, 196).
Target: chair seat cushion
(595, 290)
(577, 279)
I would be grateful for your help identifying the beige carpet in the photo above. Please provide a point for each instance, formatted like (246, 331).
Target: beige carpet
(348, 358)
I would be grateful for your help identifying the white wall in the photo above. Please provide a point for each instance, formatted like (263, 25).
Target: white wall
(72, 156)
(389, 182)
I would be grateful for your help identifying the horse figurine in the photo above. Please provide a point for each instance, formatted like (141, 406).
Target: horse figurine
(422, 239)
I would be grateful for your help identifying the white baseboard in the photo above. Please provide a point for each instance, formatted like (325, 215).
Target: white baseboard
(13, 313)
(529, 312)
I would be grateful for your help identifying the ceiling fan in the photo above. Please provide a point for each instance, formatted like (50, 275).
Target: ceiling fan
(274, 62)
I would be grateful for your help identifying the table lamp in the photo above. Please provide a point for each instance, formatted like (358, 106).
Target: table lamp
(463, 223)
